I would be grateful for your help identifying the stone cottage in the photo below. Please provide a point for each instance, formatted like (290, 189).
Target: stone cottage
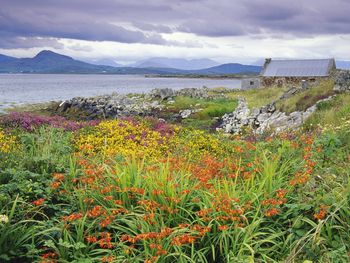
(295, 72)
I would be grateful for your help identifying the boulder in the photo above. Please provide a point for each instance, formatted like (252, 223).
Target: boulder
(163, 94)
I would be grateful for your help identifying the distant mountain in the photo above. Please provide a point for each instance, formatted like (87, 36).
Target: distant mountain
(178, 63)
(343, 64)
(4, 58)
(230, 68)
(150, 64)
(105, 62)
(50, 62)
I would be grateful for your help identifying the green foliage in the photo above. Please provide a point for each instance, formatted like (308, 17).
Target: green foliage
(18, 234)
(330, 113)
(46, 151)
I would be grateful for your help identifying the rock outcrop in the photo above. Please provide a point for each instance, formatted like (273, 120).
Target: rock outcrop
(111, 106)
(342, 81)
(116, 105)
(263, 119)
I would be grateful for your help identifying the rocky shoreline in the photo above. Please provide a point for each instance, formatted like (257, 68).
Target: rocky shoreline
(117, 105)
(158, 101)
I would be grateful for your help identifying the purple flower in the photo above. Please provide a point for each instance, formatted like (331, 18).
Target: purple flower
(29, 121)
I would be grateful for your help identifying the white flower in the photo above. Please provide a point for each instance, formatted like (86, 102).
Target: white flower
(4, 219)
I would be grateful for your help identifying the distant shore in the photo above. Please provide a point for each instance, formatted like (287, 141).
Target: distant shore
(201, 76)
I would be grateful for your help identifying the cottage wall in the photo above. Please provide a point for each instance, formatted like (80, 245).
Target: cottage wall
(250, 83)
(288, 81)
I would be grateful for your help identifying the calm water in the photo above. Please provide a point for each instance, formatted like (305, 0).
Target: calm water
(23, 89)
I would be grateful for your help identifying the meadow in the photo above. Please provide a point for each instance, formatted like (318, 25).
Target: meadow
(144, 190)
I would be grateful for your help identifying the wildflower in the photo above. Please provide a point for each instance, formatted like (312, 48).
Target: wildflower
(322, 212)
(151, 260)
(107, 221)
(107, 259)
(91, 239)
(4, 219)
(58, 176)
(280, 193)
(223, 227)
(55, 185)
(272, 212)
(183, 240)
(95, 211)
(7, 142)
(39, 202)
(73, 217)
(105, 240)
(49, 255)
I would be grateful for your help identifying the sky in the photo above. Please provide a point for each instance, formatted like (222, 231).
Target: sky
(224, 30)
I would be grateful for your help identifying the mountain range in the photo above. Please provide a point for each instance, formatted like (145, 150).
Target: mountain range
(178, 63)
(50, 62)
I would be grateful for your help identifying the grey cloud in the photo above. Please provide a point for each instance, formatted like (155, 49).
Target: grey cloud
(13, 42)
(152, 27)
(116, 20)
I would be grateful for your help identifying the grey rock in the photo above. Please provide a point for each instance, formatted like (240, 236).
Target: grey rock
(342, 81)
(185, 113)
(162, 93)
(290, 93)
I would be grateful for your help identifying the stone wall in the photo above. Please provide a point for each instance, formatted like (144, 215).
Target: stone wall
(289, 81)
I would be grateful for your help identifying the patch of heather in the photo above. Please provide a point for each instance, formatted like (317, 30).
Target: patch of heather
(29, 121)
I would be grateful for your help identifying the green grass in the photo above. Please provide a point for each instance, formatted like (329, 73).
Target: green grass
(209, 109)
(307, 98)
(258, 97)
(330, 113)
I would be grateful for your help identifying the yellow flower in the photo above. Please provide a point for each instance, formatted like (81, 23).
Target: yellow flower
(125, 138)
(7, 142)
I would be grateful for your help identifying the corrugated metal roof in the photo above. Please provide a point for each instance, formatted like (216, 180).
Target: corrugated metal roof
(299, 68)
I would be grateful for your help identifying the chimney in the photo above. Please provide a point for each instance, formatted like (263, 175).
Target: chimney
(267, 62)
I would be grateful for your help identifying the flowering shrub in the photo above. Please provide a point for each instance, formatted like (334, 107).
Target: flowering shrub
(127, 138)
(29, 121)
(7, 142)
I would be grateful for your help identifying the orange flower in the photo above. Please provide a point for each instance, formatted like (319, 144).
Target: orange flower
(58, 176)
(183, 240)
(73, 217)
(223, 228)
(322, 213)
(39, 202)
(95, 211)
(105, 241)
(107, 259)
(107, 221)
(55, 185)
(280, 193)
(272, 212)
(91, 239)
(157, 192)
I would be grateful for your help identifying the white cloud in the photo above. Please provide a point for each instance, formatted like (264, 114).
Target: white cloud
(244, 49)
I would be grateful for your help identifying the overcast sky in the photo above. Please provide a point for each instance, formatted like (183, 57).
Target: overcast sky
(223, 30)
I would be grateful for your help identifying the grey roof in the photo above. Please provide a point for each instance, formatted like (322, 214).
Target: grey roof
(299, 68)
